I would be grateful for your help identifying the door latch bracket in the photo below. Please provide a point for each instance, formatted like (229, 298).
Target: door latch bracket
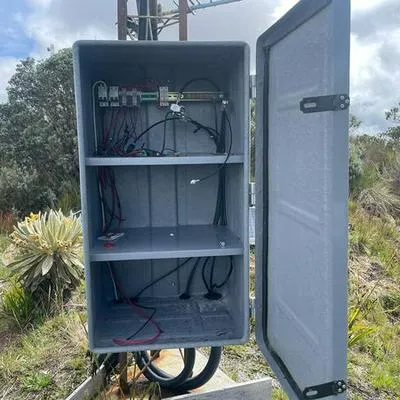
(336, 102)
(325, 390)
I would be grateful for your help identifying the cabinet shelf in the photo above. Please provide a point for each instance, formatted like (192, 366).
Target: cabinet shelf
(169, 242)
(177, 160)
(198, 317)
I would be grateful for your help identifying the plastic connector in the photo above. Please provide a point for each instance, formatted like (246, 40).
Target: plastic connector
(102, 92)
(176, 108)
(102, 95)
(124, 100)
(163, 96)
(113, 96)
(131, 98)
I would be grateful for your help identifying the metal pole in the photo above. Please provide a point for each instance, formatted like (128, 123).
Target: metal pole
(183, 11)
(122, 15)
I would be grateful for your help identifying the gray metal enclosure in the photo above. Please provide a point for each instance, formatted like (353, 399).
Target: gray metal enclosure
(165, 218)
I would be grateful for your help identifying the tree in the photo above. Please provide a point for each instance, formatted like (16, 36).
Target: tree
(38, 154)
(393, 133)
(354, 123)
(393, 113)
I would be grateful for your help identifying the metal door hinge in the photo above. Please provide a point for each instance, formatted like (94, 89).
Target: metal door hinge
(336, 102)
(325, 390)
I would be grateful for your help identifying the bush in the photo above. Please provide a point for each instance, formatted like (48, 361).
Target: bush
(38, 152)
(48, 259)
(379, 199)
(22, 189)
(18, 307)
(355, 167)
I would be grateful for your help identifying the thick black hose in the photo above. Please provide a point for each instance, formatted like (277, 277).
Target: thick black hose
(191, 383)
(155, 374)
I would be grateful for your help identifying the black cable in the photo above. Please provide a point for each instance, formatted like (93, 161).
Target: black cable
(117, 288)
(225, 281)
(107, 182)
(165, 133)
(153, 126)
(199, 80)
(186, 294)
(223, 165)
(154, 310)
(213, 133)
(152, 283)
(220, 216)
(212, 273)
(203, 275)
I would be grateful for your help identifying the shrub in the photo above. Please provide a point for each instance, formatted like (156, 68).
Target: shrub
(355, 167)
(18, 307)
(48, 259)
(379, 199)
(22, 189)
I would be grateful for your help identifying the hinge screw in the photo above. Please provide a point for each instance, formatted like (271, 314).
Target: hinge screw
(342, 106)
(341, 97)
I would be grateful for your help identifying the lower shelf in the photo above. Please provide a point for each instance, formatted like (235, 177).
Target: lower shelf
(169, 242)
(192, 321)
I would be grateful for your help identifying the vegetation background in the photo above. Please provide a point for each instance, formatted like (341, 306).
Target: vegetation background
(42, 336)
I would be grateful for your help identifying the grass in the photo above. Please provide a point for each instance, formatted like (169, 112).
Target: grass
(4, 242)
(49, 361)
(36, 382)
(374, 268)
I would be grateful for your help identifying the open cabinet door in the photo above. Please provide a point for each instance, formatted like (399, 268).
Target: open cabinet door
(301, 197)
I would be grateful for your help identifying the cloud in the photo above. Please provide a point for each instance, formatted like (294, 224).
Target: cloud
(375, 51)
(60, 23)
(375, 56)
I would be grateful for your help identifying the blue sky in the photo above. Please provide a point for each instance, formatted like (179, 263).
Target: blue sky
(13, 40)
(30, 27)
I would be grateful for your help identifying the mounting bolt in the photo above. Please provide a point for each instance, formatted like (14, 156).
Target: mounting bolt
(341, 97)
(342, 106)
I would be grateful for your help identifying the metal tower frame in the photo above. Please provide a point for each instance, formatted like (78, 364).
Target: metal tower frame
(150, 19)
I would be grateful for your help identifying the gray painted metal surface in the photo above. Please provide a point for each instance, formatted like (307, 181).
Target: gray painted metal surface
(166, 219)
(301, 220)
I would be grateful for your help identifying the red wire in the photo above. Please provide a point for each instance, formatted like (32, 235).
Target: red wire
(113, 123)
(139, 311)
